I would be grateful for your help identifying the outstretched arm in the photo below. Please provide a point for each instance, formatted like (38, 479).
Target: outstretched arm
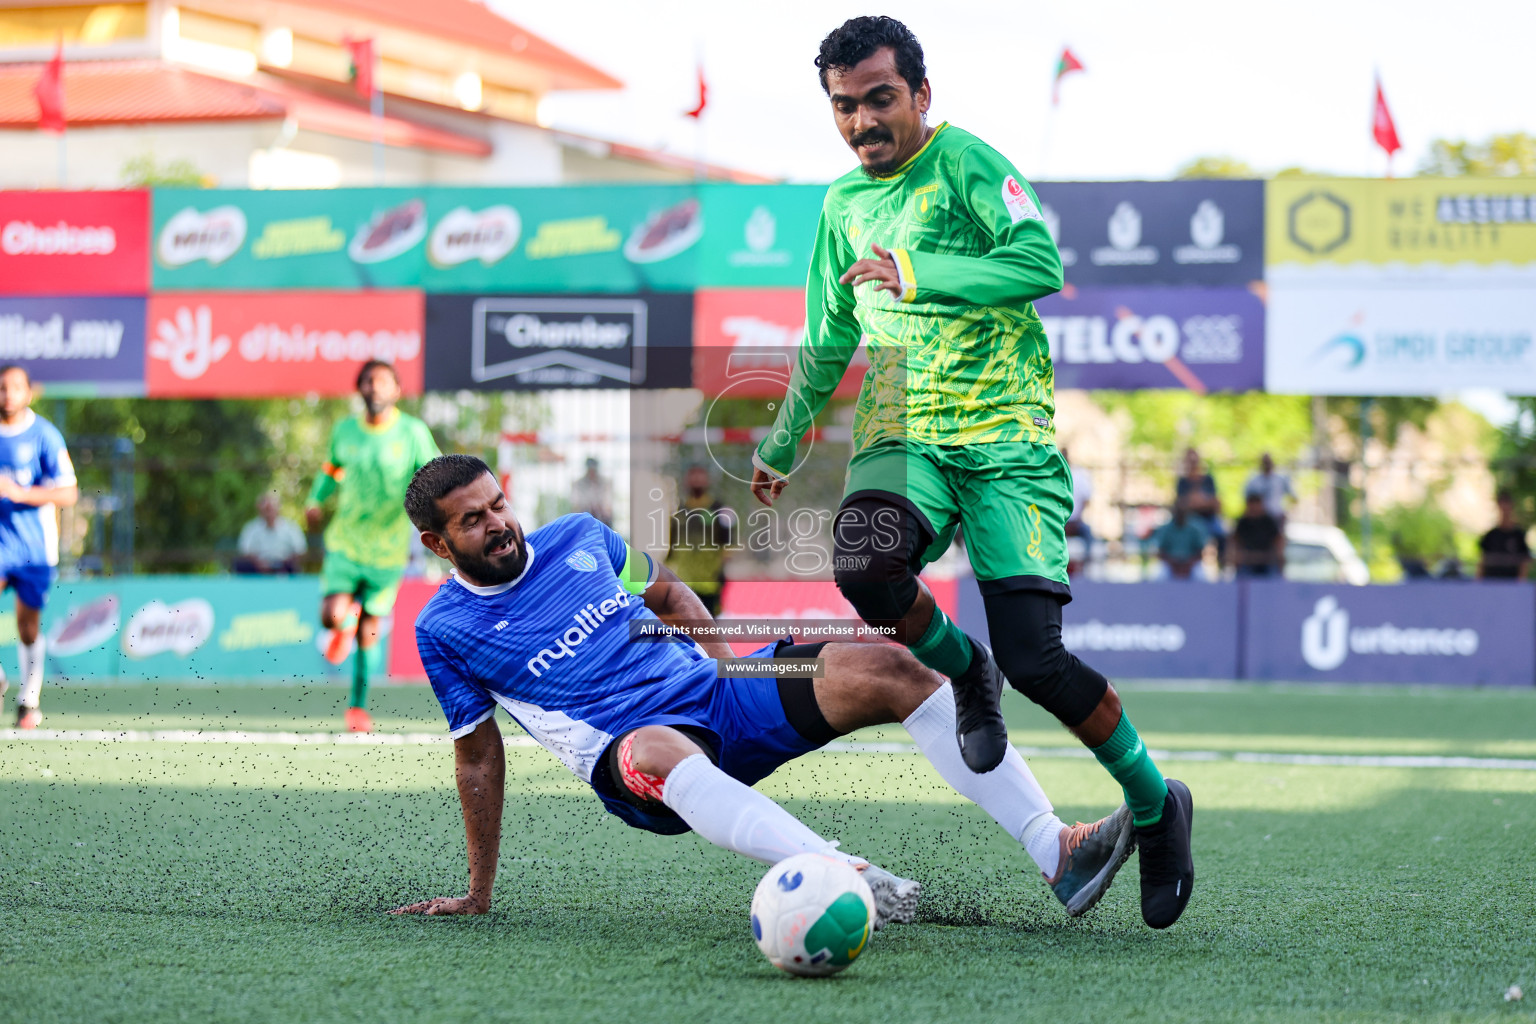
(480, 766)
(831, 338)
(675, 603)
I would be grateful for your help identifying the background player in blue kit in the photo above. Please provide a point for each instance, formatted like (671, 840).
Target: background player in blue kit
(544, 626)
(36, 478)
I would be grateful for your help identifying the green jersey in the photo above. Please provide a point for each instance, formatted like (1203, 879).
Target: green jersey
(960, 357)
(368, 468)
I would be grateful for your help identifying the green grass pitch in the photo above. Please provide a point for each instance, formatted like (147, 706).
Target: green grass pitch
(175, 881)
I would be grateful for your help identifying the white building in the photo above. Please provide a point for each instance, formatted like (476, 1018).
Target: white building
(257, 94)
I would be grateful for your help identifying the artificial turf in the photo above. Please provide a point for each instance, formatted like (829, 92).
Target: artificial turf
(170, 881)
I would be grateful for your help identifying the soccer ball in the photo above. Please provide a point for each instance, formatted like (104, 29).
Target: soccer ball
(812, 915)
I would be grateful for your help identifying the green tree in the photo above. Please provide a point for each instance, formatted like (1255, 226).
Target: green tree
(1216, 167)
(1499, 156)
(144, 171)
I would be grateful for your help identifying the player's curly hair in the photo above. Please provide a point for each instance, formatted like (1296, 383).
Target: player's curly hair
(443, 475)
(857, 38)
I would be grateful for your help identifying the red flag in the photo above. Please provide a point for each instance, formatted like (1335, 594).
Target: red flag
(361, 73)
(698, 111)
(1381, 123)
(1065, 65)
(50, 94)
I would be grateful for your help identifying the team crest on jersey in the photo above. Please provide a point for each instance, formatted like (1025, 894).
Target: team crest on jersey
(1016, 200)
(581, 561)
(924, 201)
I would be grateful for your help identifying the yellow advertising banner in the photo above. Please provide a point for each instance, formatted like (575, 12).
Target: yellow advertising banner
(1409, 222)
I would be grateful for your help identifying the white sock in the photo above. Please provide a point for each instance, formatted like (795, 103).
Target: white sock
(31, 658)
(737, 817)
(1008, 792)
(1042, 838)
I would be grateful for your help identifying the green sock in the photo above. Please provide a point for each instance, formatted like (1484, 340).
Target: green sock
(944, 647)
(365, 664)
(1125, 757)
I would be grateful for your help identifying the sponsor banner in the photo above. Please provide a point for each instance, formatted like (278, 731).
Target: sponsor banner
(250, 345)
(535, 342)
(76, 345)
(332, 238)
(759, 235)
(1204, 339)
(591, 238)
(74, 243)
(1157, 232)
(1380, 340)
(809, 600)
(1140, 631)
(1429, 632)
(745, 340)
(187, 627)
(1410, 226)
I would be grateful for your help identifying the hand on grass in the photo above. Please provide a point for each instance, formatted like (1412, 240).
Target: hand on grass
(446, 905)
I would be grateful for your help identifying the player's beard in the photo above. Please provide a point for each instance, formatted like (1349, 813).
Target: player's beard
(376, 407)
(488, 571)
(884, 167)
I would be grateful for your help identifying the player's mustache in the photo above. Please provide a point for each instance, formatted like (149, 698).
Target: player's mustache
(500, 539)
(871, 136)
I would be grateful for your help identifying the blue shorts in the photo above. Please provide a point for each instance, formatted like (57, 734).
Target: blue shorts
(745, 728)
(31, 583)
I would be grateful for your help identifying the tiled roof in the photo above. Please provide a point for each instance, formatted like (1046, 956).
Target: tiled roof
(100, 93)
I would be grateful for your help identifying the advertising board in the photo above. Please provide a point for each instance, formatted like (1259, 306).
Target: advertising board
(76, 345)
(74, 243)
(258, 344)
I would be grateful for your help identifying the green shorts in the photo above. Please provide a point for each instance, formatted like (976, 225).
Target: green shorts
(1012, 498)
(375, 588)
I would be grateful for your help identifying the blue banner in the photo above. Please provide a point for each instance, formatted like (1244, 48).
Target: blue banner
(90, 346)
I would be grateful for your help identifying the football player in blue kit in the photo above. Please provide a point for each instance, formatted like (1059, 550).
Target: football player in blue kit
(36, 478)
(558, 629)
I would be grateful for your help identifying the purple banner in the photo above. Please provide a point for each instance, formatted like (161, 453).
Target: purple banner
(1430, 632)
(78, 345)
(1204, 339)
(1182, 630)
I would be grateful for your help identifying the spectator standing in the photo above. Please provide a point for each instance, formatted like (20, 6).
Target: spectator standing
(592, 493)
(1196, 491)
(1273, 488)
(702, 529)
(1258, 539)
(1179, 544)
(270, 543)
(1506, 555)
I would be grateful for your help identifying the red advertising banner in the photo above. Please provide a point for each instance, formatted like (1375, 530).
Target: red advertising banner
(404, 661)
(260, 345)
(74, 243)
(744, 342)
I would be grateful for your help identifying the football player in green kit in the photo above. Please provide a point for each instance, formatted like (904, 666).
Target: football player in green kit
(372, 459)
(933, 251)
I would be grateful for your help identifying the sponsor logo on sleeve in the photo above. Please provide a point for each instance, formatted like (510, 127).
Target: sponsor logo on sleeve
(1017, 202)
(192, 235)
(463, 234)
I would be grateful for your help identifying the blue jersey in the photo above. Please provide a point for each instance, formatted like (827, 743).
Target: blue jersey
(553, 647)
(33, 455)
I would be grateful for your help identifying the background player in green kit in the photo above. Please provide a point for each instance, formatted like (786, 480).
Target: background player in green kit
(372, 459)
(934, 250)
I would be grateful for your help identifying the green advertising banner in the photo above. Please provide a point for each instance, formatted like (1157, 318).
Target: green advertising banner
(588, 238)
(176, 628)
(341, 238)
(758, 236)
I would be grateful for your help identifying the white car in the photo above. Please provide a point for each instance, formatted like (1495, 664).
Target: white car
(1322, 554)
